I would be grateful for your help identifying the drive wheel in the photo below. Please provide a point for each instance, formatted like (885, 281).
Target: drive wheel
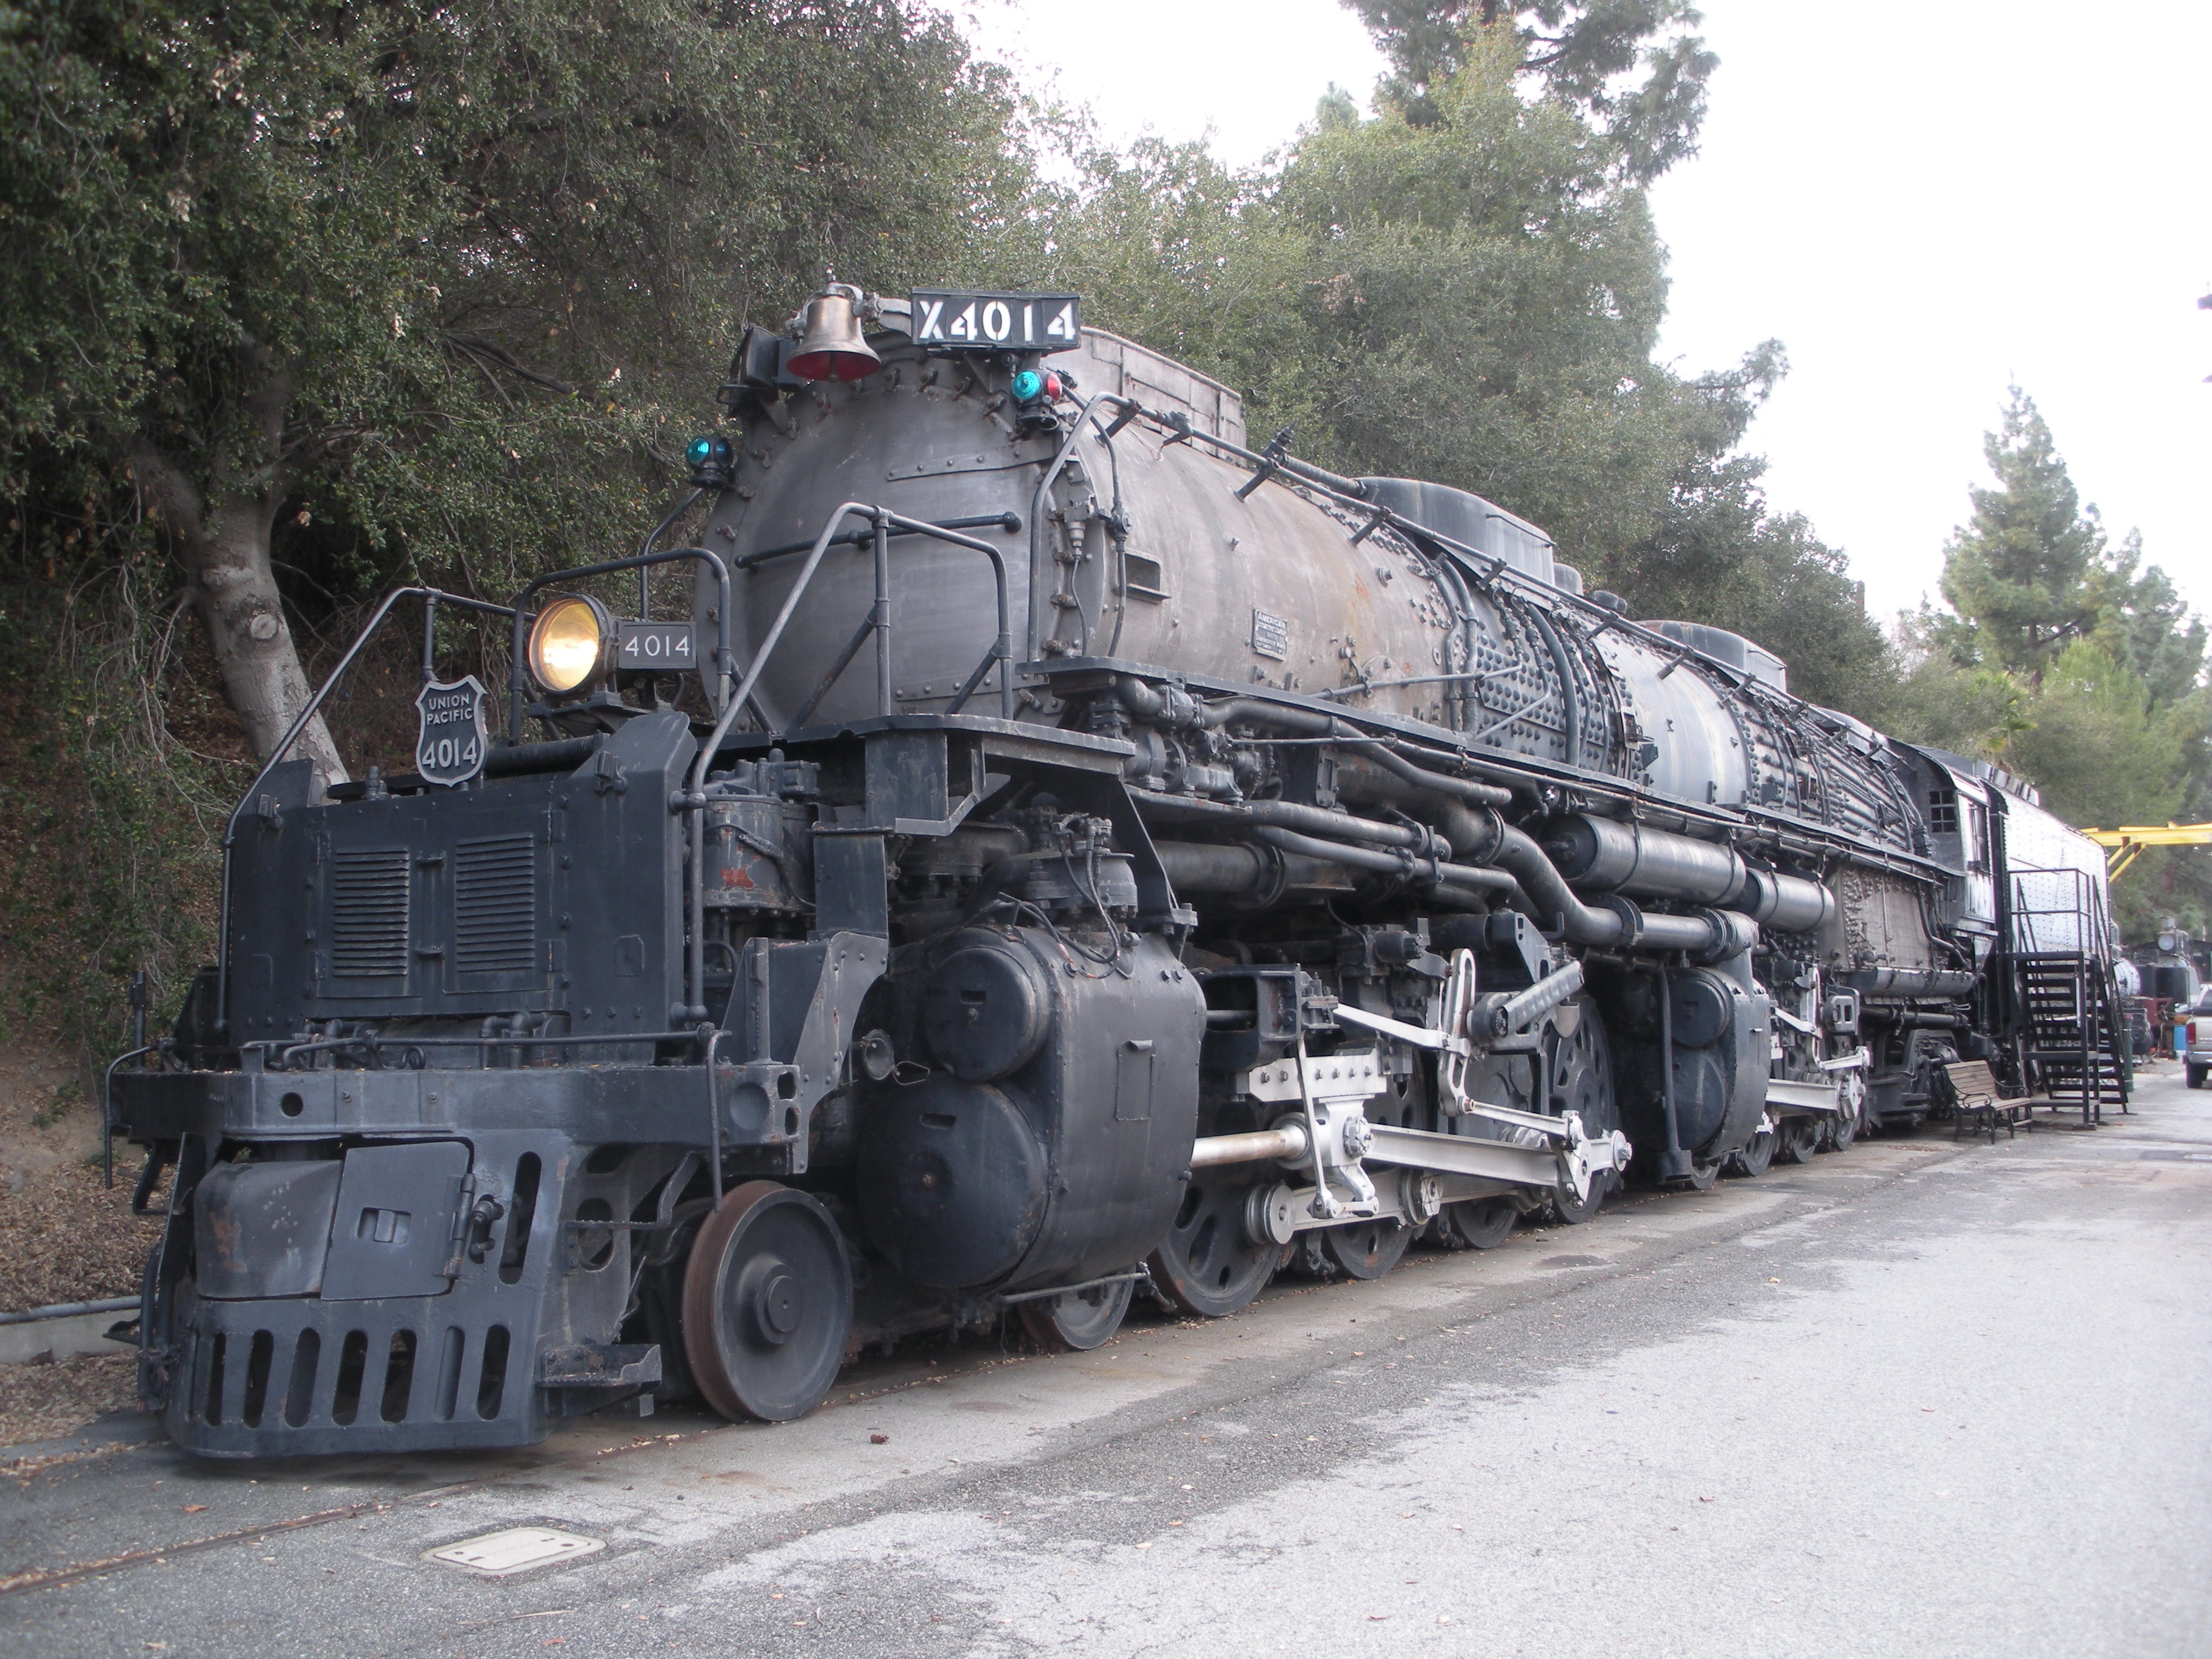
(1207, 1263)
(1366, 1249)
(1075, 1321)
(1581, 1082)
(1755, 1159)
(768, 1304)
(1477, 1224)
(1798, 1139)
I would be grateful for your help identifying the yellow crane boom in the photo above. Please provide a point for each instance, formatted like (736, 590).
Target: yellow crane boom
(2124, 845)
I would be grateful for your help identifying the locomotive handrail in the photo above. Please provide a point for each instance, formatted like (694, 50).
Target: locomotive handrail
(884, 523)
(1009, 522)
(433, 597)
(725, 659)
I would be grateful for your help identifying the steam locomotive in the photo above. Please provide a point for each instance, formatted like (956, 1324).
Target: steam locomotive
(1034, 848)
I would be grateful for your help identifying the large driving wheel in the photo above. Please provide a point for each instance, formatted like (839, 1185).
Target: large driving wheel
(768, 1304)
(1580, 1068)
(1207, 1263)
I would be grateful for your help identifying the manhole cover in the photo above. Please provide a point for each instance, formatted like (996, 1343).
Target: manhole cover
(517, 1549)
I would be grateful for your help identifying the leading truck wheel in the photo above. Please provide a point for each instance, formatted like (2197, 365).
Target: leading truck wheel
(768, 1304)
(1800, 1140)
(1755, 1159)
(1076, 1322)
(1477, 1224)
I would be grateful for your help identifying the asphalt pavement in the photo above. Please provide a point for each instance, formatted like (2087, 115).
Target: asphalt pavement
(1923, 1397)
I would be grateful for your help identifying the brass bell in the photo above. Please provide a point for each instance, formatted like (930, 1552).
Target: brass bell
(832, 349)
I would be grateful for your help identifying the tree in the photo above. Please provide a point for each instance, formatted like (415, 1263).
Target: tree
(1577, 51)
(2019, 571)
(2150, 627)
(2074, 664)
(1474, 297)
(445, 271)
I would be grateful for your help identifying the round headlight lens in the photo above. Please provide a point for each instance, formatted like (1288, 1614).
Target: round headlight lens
(566, 643)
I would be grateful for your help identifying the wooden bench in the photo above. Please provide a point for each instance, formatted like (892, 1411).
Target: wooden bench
(1980, 1103)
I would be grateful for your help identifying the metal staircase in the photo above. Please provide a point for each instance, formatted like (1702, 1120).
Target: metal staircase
(2069, 1037)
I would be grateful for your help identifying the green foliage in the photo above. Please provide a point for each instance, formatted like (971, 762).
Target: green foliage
(2102, 751)
(2019, 573)
(436, 291)
(2072, 664)
(108, 822)
(1579, 52)
(495, 251)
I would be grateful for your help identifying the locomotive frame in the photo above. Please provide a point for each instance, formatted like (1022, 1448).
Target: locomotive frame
(737, 1020)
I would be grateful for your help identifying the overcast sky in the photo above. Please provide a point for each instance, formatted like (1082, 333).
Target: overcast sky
(2008, 189)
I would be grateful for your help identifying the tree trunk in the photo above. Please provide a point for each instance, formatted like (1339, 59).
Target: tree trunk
(223, 541)
(234, 590)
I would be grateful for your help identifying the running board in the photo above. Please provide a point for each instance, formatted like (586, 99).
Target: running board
(1803, 1096)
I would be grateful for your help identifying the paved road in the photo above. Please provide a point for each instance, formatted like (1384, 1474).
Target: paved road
(1924, 1398)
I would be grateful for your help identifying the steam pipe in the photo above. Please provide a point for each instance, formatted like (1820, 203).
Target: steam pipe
(1633, 858)
(1359, 858)
(1198, 867)
(1549, 901)
(1308, 820)
(1569, 701)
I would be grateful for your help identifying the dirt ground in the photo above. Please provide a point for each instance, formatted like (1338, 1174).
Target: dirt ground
(63, 1238)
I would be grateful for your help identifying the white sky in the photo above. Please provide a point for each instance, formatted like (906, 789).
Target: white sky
(2008, 189)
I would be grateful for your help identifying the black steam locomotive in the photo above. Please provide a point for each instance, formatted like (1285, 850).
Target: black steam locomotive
(1039, 848)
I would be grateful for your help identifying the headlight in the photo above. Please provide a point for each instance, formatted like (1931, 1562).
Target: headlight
(567, 643)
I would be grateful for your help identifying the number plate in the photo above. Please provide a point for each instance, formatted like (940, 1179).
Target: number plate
(450, 744)
(997, 322)
(666, 647)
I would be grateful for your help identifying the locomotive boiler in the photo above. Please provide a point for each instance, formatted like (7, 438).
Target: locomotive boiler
(1036, 847)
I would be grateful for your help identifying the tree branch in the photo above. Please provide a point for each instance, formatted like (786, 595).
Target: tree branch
(478, 347)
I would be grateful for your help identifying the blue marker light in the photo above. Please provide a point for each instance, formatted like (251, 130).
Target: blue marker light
(1028, 387)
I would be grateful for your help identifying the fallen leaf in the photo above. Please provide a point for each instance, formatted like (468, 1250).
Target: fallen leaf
(194, 1508)
(879, 1440)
